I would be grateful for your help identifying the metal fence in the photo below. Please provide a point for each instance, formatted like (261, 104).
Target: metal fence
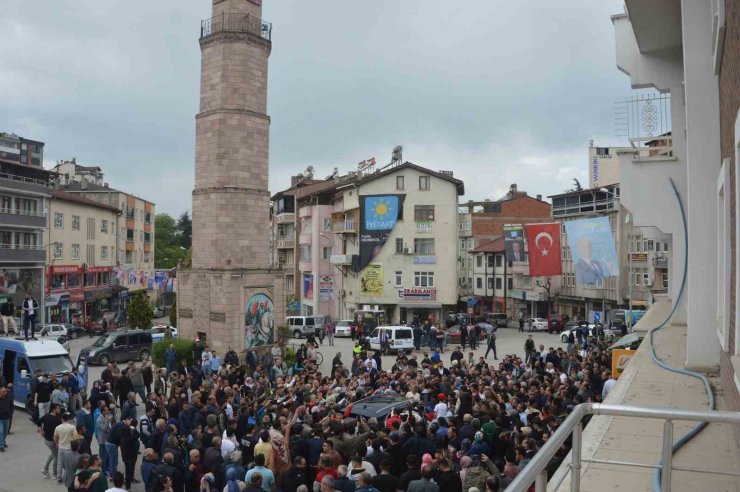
(236, 23)
(536, 470)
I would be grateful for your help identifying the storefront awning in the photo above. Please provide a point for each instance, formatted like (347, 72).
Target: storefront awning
(420, 305)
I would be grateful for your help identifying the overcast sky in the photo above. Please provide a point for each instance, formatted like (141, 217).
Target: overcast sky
(499, 92)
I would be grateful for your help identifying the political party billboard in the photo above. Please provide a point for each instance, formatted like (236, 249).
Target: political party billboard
(371, 280)
(514, 242)
(378, 216)
(592, 248)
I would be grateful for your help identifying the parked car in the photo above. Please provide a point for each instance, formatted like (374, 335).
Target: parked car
(160, 311)
(538, 324)
(56, 336)
(593, 330)
(120, 346)
(300, 326)
(159, 331)
(344, 328)
(62, 330)
(556, 322)
(498, 319)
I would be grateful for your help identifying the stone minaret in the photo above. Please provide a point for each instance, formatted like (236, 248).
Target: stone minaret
(230, 285)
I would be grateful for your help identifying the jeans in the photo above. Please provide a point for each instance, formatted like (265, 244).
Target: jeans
(4, 426)
(103, 452)
(331, 339)
(112, 452)
(139, 390)
(29, 321)
(53, 454)
(207, 371)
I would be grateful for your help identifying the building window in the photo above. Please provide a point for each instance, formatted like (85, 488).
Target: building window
(75, 222)
(499, 260)
(91, 279)
(130, 235)
(463, 243)
(665, 280)
(423, 213)
(129, 257)
(399, 278)
(104, 252)
(399, 245)
(130, 213)
(478, 261)
(650, 245)
(74, 280)
(104, 226)
(75, 251)
(424, 246)
(327, 224)
(470, 282)
(478, 283)
(58, 247)
(467, 225)
(305, 252)
(499, 283)
(148, 218)
(665, 247)
(326, 252)
(399, 182)
(510, 283)
(289, 284)
(424, 279)
(58, 220)
(490, 283)
(147, 238)
(424, 183)
(104, 278)
(460, 226)
(57, 281)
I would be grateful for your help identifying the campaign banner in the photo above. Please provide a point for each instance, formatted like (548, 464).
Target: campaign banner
(514, 242)
(378, 216)
(544, 249)
(15, 282)
(371, 280)
(592, 247)
(308, 285)
(326, 287)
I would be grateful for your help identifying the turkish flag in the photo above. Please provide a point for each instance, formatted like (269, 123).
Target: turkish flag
(544, 249)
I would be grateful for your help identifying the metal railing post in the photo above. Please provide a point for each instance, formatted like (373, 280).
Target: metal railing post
(665, 472)
(575, 472)
(540, 483)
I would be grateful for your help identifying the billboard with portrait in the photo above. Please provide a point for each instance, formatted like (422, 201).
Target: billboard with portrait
(15, 282)
(514, 242)
(378, 216)
(308, 285)
(592, 248)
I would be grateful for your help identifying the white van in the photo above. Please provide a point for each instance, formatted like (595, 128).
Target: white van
(300, 326)
(400, 338)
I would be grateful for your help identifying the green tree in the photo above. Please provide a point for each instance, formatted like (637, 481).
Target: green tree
(185, 230)
(173, 313)
(140, 312)
(167, 242)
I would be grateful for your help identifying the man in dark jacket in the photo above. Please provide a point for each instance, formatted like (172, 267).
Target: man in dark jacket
(295, 475)
(168, 469)
(6, 311)
(30, 309)
(129, 449)
(6, 412)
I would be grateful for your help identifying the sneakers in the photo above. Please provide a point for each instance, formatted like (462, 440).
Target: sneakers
(45, 471)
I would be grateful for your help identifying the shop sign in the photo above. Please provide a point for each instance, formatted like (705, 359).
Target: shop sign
(98, 269)
(65, 269)
(326, 287)
(424, 226)
(620, 359)
(56, 299)
(425, 260)
(417, 294)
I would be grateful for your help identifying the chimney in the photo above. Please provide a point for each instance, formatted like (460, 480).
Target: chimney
(83, 183)
(512, 189)
(539, 197)
(74, 160)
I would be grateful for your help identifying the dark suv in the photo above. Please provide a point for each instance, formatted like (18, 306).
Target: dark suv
(119, 346)
(556, 322)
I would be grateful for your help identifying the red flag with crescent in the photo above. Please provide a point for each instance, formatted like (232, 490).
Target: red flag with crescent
(544, 249)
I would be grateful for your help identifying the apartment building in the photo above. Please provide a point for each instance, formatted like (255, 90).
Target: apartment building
(24, 202)
(604, 164)
(70, 172)
(80, 262)
(480, 225)
(135, 232)
(689, 50)
(397, 243)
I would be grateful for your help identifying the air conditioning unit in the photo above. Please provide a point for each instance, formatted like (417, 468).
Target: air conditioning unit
(406, 250)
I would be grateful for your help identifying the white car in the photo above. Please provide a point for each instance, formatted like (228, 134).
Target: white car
(62, 331)
(538, 324)
(605, 332)
(159, 330)
(343, 328)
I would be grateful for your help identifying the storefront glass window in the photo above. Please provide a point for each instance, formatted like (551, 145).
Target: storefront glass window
(74, 280)
(58, 282)
(104, 278)
(90, 279)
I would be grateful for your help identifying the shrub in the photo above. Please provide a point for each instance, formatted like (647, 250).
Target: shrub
(139, 312)
(183, 347)
(289, 357)
(173, 313)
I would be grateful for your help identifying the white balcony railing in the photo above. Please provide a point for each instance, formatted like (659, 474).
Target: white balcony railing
(27, 213)
(25, 247)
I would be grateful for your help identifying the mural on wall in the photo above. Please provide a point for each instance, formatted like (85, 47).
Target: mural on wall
(259, 325)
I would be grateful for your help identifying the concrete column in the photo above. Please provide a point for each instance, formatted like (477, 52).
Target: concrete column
(702, 162)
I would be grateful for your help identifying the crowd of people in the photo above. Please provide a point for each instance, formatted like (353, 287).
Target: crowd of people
(257, 424)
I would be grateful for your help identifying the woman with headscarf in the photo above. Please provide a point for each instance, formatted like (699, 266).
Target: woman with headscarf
(233, 484)
(465, 463)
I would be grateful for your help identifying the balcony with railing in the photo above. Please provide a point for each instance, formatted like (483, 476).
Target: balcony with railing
(285, 218)
(22, 252)
(660, 261)
(19, 217)
(236, 23)
(347, 226)
(285, 242)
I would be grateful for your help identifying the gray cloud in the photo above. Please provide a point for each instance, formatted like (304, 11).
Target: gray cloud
(499, 92)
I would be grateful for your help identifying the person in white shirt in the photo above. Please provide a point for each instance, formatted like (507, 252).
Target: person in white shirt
(440, 409)
(117, 483)
(608, 385)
